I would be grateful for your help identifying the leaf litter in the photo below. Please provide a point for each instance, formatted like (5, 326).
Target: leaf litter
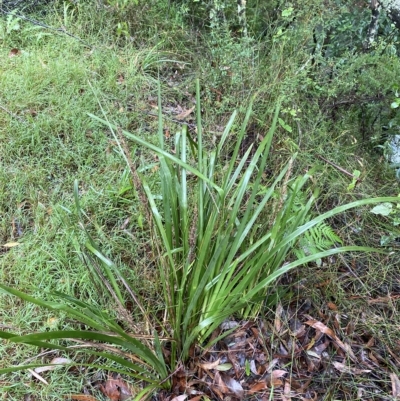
(288, 355)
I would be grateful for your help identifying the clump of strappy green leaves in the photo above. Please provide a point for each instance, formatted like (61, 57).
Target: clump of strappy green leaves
(223, 236)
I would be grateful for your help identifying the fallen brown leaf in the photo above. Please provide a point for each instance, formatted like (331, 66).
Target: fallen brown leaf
(348, 369)
(185, 113)
(320, 348)
(332, 306)
(330, 333)
(383, 300)
(197, 398)
(286, 396)
(234, 386)
(277, 320)
(115, 389)
(14, 52)
(271, 365)
(257, 387)
(209, 365)
(180, 397)
(54, 363)
(220, 384)
(274, 379)
(395, 386)
(80, 397)
(110, 390)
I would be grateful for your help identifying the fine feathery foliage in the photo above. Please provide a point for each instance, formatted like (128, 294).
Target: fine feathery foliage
(222, 235)
(317, 239)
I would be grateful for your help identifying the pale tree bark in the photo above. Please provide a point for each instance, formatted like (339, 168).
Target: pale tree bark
(241, 5)
(391, 7)
(373, 25)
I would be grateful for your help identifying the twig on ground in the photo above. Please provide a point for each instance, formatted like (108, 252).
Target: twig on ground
(12, 114)
(342, 170)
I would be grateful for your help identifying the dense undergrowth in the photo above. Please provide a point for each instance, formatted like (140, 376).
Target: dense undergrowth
(336, 113)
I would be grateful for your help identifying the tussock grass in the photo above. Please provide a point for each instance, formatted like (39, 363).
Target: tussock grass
(47, 141)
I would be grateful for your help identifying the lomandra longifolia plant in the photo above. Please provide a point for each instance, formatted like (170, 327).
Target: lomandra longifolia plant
(214, 256)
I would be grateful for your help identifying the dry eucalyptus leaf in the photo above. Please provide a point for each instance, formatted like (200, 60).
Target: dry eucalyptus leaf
(116, 389)
(395, 386)
(80, 397)
(330, 333)
(348, 369)
(54, 363)
(180, 397)
(11, 244)
(185, 113)
(257, 387)
(287, 396)
(253, 367)
(234, 386)
(209, 365)
(220, 384)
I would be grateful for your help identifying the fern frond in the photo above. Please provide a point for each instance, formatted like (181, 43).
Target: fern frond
(319, 238)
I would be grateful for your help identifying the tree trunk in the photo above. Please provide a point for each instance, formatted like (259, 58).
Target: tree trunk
(392, 7)
(373, 25)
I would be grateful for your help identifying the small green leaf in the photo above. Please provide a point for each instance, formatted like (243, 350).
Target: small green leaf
(287, 12)
(352, 185)
(247, 368)
(224, 367)
(394, 105)
(384, 209)
(286, 127)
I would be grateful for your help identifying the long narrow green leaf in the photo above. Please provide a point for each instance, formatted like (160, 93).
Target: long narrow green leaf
(128, 371)
(142, 372)
(238, 139)
(201, 184)
(183, 201)
(169, 252)
(53, 306)
(284, 269)
(133, 345)
(107, 264)
(227, 131)
(333, 212)
(162, 152)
